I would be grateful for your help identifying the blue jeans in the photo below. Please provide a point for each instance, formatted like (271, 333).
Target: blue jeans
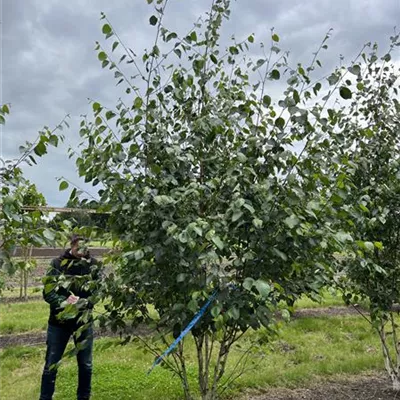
(57, 339)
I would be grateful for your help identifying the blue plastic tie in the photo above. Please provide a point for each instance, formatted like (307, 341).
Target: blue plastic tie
(189, 327)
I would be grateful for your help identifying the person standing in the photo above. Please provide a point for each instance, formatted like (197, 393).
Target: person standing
(81, 274)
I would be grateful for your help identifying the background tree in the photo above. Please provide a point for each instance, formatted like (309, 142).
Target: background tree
(369, 198)
(80, 218)
(12, 217)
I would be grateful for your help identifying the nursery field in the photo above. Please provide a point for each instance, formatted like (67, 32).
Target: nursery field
(325, 351)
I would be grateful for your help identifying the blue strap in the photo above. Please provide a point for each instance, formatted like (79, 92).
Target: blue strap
(191, 324)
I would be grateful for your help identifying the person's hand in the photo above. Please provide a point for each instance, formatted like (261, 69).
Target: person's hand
(72, 299)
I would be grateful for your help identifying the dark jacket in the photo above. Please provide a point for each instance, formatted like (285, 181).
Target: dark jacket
(69, 275)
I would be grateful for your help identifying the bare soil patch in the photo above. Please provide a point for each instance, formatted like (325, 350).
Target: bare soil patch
(365, 387)
(8, 300)
(327, 311)
(37, 338)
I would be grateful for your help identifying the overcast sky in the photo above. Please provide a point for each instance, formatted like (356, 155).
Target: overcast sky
(49, 67)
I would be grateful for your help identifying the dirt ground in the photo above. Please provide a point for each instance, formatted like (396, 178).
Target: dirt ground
(332, 311)
(366, 387)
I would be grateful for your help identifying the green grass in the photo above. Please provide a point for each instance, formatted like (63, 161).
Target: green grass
(23, 317)
(14, 292)
(328, 299)
(100, 243)
(31, 316)
(307, 349)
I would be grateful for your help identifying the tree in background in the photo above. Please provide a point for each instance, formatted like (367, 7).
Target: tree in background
(31, 223)
(369, 200)
(12, 217)
(80, 219)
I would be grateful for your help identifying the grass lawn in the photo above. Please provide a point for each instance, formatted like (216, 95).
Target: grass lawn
(307, 348)
(33, 315)
(27, 317)
(100, 243)
(329, 299)
(14, 292)
(23, 317)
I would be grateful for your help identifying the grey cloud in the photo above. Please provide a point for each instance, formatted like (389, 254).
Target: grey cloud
(50, 67)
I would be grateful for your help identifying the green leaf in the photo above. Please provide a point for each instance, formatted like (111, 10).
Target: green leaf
(48, 234)
(2, 120)
(153, 20)
(137, 119)
(292, 221)
(248, 283)
(263, 288)
(63, 185)
(280, 123)
(98, 121)
(216, 310)
(198, 230)
(275, 74)
(234, 312)
(109, 115)
(360, 86)
(193, 306)
(115, 45)
(355, 69)
(106, 29)
(316, 88)
(251, 39)
(40, 149)
(96, 107)
(369, 246)
(163, 200)
(5, 109)
(171, 36)
(345, 92)
(138, 254)
(193, 36)
(218, 242)
(181, 278)
(53, 140)
(257, 223)
(267, 101)
(296, 96)
(237, 215)
(214, 59)
(342, 237)
(241, 157)
(249, 207)
(102, 56)
(275, 37)
(333, 79)
(280, 254)
(138, 103)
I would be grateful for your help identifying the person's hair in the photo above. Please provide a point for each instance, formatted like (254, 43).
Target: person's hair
(75, 238)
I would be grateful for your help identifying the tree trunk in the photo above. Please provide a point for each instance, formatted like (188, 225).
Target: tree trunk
(391, 368)
(21, 284)
(26, 274)
(396, 383)
(184, 377)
